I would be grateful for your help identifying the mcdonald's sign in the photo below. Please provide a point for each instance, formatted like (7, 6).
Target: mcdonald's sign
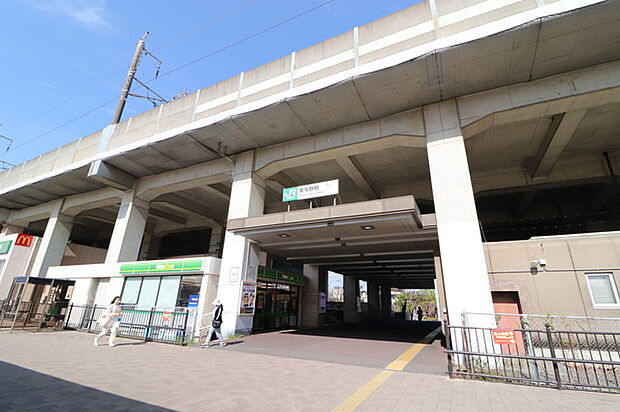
(24, 240)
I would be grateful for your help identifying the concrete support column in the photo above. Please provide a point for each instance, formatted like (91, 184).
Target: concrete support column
(215, 242)
(351, 293)
(239, 257)
(128, 229)
(373, 300)
(154, 247)
(54, 242)
(9, 229)
(386, 302)
(311, 317)
(465, 274)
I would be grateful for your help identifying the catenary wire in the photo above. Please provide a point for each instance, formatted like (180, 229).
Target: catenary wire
(273, 26)
(120, 69)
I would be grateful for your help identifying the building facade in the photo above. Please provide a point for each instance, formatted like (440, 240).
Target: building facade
(468, 140)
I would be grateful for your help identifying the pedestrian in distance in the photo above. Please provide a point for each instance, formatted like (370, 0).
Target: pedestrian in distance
(110, 320)
(420, 313)
(216, 324)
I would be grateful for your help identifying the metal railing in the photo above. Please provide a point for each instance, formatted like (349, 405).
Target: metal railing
(564, 359)
(174, 326)
(26, 315)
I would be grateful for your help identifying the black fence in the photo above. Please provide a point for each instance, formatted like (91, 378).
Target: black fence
(167, 326)
(554, 358)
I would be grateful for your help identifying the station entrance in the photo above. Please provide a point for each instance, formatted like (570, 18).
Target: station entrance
(387, 243)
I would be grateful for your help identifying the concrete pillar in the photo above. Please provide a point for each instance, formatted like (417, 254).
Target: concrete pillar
(215, 242)
(128, 229)
(9, 229)
(146, 246)
(54, 241)
(465, 275)
(439, 288)
(373, 300)
(154, 247)
(386, 302)
(311, 317)
(239, 257)
(351, 294)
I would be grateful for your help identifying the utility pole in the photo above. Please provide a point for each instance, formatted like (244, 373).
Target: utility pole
(129, 79)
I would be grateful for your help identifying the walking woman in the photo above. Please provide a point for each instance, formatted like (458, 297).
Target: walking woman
(216, 324)
(110, 321)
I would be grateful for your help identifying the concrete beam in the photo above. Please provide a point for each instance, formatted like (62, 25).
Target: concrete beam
(170, 217)
(402, 129)
(558, 136)
(217, 191)
(99, 215)
(77, 204)
(185, 205)
(356, 172)
(23, 217)
(571, 91)
(110, 175)
(200, 175)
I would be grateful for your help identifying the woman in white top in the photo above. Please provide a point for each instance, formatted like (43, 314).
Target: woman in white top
(110, 321)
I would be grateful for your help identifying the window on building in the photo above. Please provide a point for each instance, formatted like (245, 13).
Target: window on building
(161, 292)
(168, 292)
(131, 291)
(148, 293)
(190, 285)
(603, 290)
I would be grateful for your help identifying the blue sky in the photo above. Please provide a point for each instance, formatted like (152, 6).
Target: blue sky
(53, 49)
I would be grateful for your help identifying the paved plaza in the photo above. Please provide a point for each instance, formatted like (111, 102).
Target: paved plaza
(64, 371)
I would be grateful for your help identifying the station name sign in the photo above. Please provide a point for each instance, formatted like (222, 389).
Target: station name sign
(311, 191)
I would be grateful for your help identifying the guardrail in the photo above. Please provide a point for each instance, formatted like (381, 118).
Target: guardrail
(562, 359)
(174, 326)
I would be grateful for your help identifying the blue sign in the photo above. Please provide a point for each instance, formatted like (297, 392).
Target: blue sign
(193, 301)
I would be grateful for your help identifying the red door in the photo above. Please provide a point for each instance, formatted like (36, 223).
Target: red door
(508, 302)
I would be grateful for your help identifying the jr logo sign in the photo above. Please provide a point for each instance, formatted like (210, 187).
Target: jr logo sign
(289, 194)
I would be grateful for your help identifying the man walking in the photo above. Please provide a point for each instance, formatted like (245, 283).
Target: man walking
(216, 324)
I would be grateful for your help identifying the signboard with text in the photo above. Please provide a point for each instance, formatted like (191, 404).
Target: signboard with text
(311, 191)
(24, 240)
(504, 336)
(248, 292)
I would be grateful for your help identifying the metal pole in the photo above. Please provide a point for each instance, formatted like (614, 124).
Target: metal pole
(68, 318)
(133, 67)
(556, 367)
(184, 328)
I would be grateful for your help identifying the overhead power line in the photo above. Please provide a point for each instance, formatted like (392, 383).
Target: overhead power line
(243, 40)
(228, 46)
(121, 69)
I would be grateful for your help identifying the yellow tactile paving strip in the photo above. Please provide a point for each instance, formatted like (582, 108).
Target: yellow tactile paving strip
(398, 364)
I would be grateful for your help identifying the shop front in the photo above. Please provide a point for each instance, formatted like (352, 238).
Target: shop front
(277, 299)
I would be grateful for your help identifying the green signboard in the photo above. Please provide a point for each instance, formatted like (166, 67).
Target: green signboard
(268, 273)
(5, 246)
(311, 191)
(289, 194)
(164, 266)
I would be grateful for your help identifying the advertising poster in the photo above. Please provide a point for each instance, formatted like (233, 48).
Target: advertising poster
(248, 292)
(322, 302)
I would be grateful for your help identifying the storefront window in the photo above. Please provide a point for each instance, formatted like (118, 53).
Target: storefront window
(131, 291)
(168, 292)
(148, 294)
(162, 292)
(190, 285)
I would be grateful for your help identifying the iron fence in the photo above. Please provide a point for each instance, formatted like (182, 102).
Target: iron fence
(564, 359)
(167, 326)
